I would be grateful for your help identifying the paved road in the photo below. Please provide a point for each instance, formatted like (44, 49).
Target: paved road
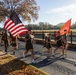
(54, 66)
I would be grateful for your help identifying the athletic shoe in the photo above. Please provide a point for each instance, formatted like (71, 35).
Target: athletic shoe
(33, 61)
(63, 56)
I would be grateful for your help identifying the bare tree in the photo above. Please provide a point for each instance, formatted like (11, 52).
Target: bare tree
(26, 9)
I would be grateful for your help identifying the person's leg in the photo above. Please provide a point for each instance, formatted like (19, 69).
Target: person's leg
(26, 49)
(5, 45)
(46, 51)
(62, 47)
(50, 51)
(32, 55)
(66, 47)
(14, 45)
(25, 52)
(55, 49)
(8, 42)
(14, 49)
(48, 48)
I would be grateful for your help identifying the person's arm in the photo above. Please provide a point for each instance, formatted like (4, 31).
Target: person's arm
(59, 38)
(48, 40)
(26, 39)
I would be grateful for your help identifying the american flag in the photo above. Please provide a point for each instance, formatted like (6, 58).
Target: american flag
(14, 25)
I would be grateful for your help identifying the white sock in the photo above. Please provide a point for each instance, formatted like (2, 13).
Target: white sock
(24, 54)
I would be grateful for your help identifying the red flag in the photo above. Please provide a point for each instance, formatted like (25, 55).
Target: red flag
(66, 27)
(14, 25)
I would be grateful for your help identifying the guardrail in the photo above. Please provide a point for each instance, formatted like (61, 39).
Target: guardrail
(41, 35)
(41, 41)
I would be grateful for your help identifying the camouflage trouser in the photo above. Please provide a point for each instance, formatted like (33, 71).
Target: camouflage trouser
(5, 45)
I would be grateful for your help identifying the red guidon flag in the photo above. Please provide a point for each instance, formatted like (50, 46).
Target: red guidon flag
(66, 27)
(14, 25)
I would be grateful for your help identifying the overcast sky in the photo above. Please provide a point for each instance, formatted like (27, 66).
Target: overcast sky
(56, 11)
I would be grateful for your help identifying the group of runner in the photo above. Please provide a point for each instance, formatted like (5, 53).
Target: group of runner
(29, 39)
(61, 43)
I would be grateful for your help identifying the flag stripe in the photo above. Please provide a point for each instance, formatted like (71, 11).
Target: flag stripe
(19, 33)
(6, 22)
(14, 28)
(17, 26)
(10, 26)
(20, 28)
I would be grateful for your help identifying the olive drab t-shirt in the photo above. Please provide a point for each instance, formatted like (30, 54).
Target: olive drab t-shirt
(26, 37)
(65, 38)
(57, 38)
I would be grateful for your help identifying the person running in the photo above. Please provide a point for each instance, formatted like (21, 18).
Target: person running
(5, 40)
(13, 43)
(48, 44)
(65, 40)
(59, 43)
(29, 46)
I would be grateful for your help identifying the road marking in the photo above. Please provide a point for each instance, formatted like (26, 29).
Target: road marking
(71, 59)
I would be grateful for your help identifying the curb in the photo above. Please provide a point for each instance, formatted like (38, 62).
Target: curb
(43, 73)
